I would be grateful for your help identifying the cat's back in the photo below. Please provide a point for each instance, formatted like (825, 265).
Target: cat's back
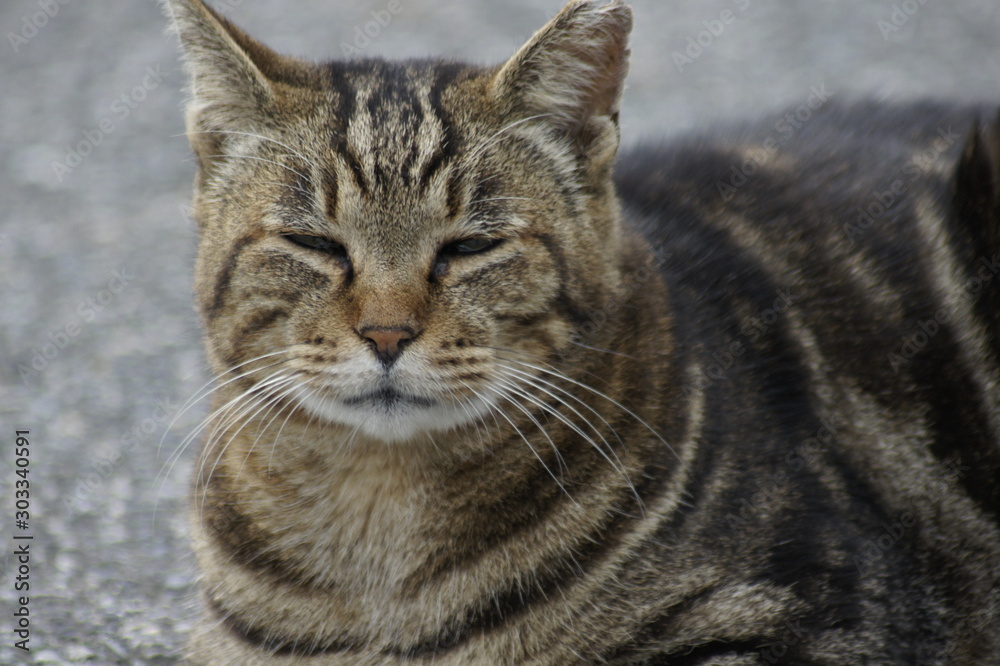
(838, 276)
(878, 222)
(841, 170)
(867, 235)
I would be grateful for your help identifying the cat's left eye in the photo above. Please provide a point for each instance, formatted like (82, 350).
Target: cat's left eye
(317, 243)
(471, 245)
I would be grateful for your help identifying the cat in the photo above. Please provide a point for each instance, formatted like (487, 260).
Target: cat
(489, 392)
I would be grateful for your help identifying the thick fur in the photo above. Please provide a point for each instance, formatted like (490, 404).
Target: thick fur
(678, 417)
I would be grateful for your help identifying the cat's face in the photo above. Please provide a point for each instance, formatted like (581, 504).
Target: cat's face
(392, 247)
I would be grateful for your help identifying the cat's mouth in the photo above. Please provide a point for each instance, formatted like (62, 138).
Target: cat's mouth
(390, 412)
(388, 398)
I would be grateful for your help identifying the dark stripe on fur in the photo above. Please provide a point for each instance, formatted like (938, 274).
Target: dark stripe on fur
(450, 145)
(565, 569)
(340, 75)
(239, 537)
(574, 312)
(221, 288)
(331, 191)
(265, 639)
(294, 273)
(260, 320)
(297, 198)
(957, 417)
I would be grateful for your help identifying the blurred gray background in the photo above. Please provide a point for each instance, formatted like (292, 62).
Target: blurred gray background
(100, 344)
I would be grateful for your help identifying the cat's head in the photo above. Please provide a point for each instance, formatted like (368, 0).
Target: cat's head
(395, 241)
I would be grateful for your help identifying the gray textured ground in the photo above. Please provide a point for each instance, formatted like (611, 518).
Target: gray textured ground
(95, 261)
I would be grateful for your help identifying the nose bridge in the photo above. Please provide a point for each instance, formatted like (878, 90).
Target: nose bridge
(390, 306)
(389, 297)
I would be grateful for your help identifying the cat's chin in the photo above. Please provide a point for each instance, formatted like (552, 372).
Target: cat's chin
(391, 416)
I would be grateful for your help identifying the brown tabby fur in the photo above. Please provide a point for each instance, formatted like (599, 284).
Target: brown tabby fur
(523, 453)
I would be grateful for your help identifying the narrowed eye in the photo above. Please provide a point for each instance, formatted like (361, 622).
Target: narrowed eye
(471, 246)
(318, 243)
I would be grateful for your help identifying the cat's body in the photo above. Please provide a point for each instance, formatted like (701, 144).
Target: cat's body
(730, 420)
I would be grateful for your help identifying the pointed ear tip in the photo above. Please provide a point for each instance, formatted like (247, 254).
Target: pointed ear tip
(617, 10)
(599, 5)
(616, 16)
(179, 14)
(173, 8)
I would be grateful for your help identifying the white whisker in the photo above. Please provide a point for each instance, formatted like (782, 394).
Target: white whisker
(259, 394)
(263, 159)
(214, 385)
(499, 411)
(285, 391)
(481, 201)
(277, 437)
(615, 463)
(294, 152)
(603, 351)
(515, 390)
(600, 394)
(199, 395)
(496, 136)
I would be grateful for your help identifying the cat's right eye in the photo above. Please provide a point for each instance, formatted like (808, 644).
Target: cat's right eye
(319, 243)
(473, 245)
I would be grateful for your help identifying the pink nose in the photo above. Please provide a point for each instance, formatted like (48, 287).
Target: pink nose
(388, 342)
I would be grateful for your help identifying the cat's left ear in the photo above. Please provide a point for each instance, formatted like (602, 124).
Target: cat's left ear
(235, 80)
(977, 181)
(572, 73)
(977, 185)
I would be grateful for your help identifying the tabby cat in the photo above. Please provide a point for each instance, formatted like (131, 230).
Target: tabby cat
(489, 394)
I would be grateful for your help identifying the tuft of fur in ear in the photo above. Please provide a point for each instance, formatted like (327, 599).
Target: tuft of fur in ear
(572, 72)
(236, 82)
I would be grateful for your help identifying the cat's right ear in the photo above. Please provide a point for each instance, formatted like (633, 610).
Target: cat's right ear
(234, 79)
(571, 74)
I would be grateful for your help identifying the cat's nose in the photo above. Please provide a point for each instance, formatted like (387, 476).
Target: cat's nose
(388, 342)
